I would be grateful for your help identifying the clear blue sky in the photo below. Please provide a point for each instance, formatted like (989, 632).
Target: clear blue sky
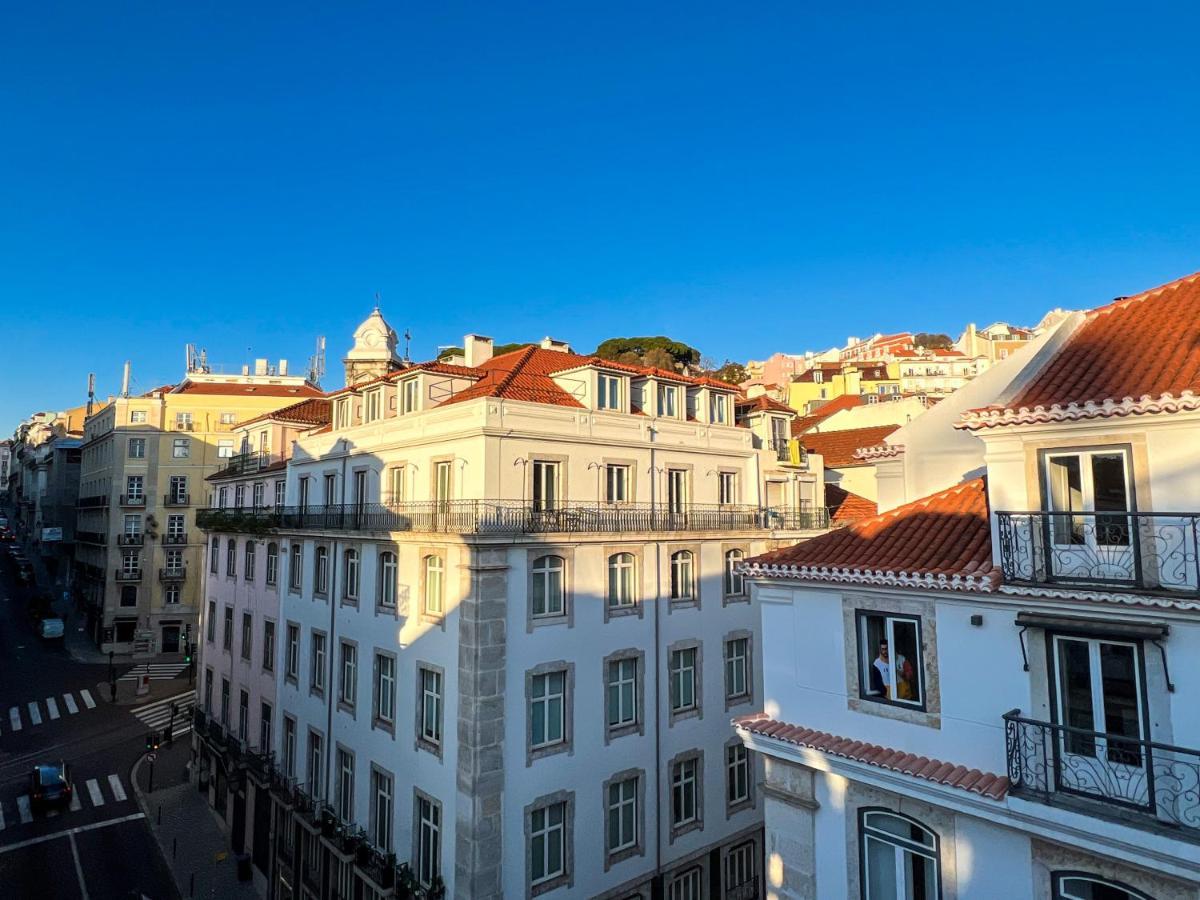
(744, 177)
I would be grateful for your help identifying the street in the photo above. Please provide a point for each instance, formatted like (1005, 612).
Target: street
(53, 708)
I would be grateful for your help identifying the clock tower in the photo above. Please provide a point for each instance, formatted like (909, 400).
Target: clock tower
(374, 350)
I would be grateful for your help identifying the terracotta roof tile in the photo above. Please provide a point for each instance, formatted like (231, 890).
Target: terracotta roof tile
(986, 784)
(823, 412)
(837, 447)
(239, 389)
(763, 403)
(940, 541)
(845, 507)
(313, 411)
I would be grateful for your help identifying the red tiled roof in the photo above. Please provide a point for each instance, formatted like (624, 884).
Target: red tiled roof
(763, 403)
(237, 389)
(313, 411)
(943, 541)
(845, 507)
(837, 404)
(986, 784)
(1138, 354)
(837, 447)
(162, 389)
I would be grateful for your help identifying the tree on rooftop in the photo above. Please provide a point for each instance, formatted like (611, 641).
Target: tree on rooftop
(933, 341)
(672, 354)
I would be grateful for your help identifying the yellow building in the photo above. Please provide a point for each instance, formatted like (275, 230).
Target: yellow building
(145, 458)
(828, 381)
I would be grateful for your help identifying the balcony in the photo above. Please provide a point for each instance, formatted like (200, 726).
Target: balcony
(131, 540)
(509, 517)
(1157, 784)
(173, 574)
(91, 537)
(782, 448)
(137, 500)
(129, 574)
(175, 540)
(252, 461)
(95, 502)
(176, 499)
(1127, 550)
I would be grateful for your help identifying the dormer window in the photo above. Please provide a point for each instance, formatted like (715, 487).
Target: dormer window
(608, 392)
(409, 396)
(718, 409)
(374, 405)
(818, 376)
(342, 416)
(668, 401)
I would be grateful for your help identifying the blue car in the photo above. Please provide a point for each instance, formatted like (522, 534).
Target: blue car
(50, 785)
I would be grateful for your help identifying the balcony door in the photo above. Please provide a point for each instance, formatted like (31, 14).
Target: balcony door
(1099, 750)
(546, 488)
(1089, 534)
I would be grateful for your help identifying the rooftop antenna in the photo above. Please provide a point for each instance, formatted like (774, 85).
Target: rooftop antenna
(316, 362)
(91, 392)
(407, 340)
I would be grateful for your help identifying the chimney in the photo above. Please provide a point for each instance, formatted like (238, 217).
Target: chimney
(477, 349)
(125, 380)
(246, 369)
(283, 367)
(549, 343)
(260, 367)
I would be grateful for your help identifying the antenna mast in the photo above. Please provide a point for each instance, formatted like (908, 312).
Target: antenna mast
(316, 362)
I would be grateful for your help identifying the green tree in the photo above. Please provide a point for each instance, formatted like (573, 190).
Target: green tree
(730, 372)
(933, 341)
(680, 354)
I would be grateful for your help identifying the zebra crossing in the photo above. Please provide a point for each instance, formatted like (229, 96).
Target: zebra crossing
(155, 716)
(89, 793)
(156, 671)
(31, 712)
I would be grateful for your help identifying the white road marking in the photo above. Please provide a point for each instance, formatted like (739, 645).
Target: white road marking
(87, 699)
(52, 707)
(78, 867)
(35, 714)
(76, 806)
(14, 716)
(108, 823)
(118, 789)
(94, 790)
(23, 809)
(69, 699)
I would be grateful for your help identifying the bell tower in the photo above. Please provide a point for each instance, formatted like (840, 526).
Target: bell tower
(374, 350)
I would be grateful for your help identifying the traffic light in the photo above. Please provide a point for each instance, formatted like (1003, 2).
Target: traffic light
(187, 654)
(152, 741)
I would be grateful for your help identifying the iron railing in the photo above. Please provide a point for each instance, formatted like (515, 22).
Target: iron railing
(172, 573)
(91, 537)
(747, 890)
(176, 499)
(1047, 762)
(133, 499)
(129, 574)
(780, 446)
(175, 540)
(513, 517)
(95, 502)
(251, 461)
(1127, 549)
(130, 539)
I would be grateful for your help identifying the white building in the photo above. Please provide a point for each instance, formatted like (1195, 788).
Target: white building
(936, 371)
(512, 631)
(1032, 731)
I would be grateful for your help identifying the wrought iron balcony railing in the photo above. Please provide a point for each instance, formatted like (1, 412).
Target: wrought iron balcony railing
(133, 499)
(176, 499)
(514, 517)
(91, 537)
(96, 502)
(780, 446)
(131, 539)
(175, 540)
(1124, 549)
(129, 574)
(747, 890)
(251, 461)
(1051, 763)
(172, 573)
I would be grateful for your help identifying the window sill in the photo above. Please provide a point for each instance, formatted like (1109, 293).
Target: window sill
(897, 711)
(533, 754)
(618, 612)
(736, 598)
(383, 725)
(347, 708)
(678, 831)
(615, 857)
(741, 806)
(739, 700)
(619, 731)
(694, 712)
(544, 621)
(385, 610)
(550, 884)
(429, 746)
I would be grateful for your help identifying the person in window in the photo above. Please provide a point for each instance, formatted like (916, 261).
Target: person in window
(881, 675)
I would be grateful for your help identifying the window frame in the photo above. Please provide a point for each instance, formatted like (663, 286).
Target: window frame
(733, 582)
(864, 680)
(694, 758)
(424, 740)
(866, 831)
(1057, 877)
(542, 570)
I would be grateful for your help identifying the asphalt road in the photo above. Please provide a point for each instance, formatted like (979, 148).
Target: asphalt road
(52, 709)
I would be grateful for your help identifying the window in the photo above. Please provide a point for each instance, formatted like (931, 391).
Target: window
(385, 688)
(735, 582)
(317, 675)
(316, 763)
(342, 418)
(1078, 487)
(374, 405)
(622, 693)
(330, 490)
(345, 788)
(396, 484)
(686, 886)
(289, 746)
(247, 634)
(726, 487)
(227, 631)
(739, 868)
(683, 680)
(433, 598)
(685, 808)
(718, 409)
(1081, 886)
(137, 416)
(248, 574)
(268, 657)
(349, 669)
(131, 564)
(429, 840)
(547, 843)
(258, 491)
(547, 575)
(214, 555)
(181, 448)
(1098, 690)
(321, 570)
(546, 485)
(292, 662)
(387, 579)
(889, 649)
(137, 448)
(616, 483)
(737, 668)
(128, 595)
(222, 497)
(171, 594)
(175, 527)
(682, 584)
(231, 557)
(225, 702)
(678, 494)
(622, 815)
(228, 418)
(183, 421)
(224, 449)
(667, 400)
(280, 492)
(177, 491)
(350, 583)
(212, 620)
(620, 580)
(609, 392)
(430, 705)
(239, 496)
(900, 857)
(132, 525)
(135, 488)
(547, 709)
(381, 806)
(296, 574)
(272, 563)
(441, 482)
(208, 684)
(264, 727)
(410, 395)
(243, 715)
(737, 774)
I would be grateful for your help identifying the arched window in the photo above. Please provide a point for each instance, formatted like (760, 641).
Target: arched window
(249, 573)
(321, 570)
(387, 578)
(350, 585)
(735, 584)
(682, 582)
(620, 579)
(434, 585)
(547, 586)
(900, 857)
(272, 563)
(231, 557)
(1082, 886)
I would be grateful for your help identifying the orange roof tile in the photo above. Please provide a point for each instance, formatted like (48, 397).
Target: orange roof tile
(943, 541)
(986, 784)
(763, 403)
(313, 411)
(845, 507)
(238, 389)
(837, 404)
(837, 447)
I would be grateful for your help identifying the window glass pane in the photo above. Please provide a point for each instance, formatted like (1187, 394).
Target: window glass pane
(1075, 694)
(1118, 675)
(907, 660)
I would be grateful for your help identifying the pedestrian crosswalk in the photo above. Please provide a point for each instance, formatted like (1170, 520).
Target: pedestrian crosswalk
(88, 793)
(157, 715)
(156, 671)
(31, 713)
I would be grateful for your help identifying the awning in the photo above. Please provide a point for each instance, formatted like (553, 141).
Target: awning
(1116, 628)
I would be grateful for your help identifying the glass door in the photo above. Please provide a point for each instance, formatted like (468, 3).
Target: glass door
(1089, 533)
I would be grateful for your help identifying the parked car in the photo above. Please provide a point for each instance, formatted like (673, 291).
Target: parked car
(50, 785)
(51, 628)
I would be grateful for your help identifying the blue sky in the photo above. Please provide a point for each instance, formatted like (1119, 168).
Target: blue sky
(744, 177)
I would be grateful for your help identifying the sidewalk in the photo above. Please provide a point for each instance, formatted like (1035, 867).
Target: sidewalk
(193, 842)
